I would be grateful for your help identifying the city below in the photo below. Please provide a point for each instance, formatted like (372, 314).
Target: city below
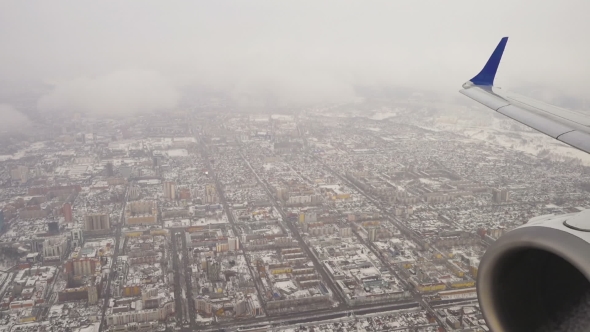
(324, 219)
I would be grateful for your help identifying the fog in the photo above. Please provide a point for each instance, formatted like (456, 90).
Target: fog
(11, 119)
(116, 93)
(121, 57)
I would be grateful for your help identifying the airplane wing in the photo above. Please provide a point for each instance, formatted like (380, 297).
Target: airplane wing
(567, 126)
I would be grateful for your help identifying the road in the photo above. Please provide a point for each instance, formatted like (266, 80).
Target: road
(338, 312)
(107, 292)
(316, 316)
(188, 274)
(178, 310)
(417, 296)
(230, 217)
(318, 266)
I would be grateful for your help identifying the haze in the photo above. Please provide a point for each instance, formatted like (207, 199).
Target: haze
(117, 57)
(250, 166)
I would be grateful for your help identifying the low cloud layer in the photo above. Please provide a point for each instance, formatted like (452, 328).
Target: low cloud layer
(290, 87)
(284, 52)
(119, 93)
(12, 120)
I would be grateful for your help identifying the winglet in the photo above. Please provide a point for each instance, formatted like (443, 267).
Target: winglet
(488, 73)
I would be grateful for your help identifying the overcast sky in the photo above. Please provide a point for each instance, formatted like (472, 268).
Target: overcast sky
(118, 56)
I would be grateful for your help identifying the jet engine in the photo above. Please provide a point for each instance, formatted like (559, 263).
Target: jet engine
(536, 277)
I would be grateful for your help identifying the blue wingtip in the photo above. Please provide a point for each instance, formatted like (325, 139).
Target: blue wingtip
(488, 73)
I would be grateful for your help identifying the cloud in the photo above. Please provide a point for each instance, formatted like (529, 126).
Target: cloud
(277, 52)
(287, 86)
(118, 93)
(12, 120)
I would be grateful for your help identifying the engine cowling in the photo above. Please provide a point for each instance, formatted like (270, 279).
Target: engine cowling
(537, 276)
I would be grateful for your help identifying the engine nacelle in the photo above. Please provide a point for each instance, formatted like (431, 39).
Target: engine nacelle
(536, 277)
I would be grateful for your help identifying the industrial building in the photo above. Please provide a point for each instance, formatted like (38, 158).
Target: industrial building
(169, 190)
(141, 213)
(97, 222)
